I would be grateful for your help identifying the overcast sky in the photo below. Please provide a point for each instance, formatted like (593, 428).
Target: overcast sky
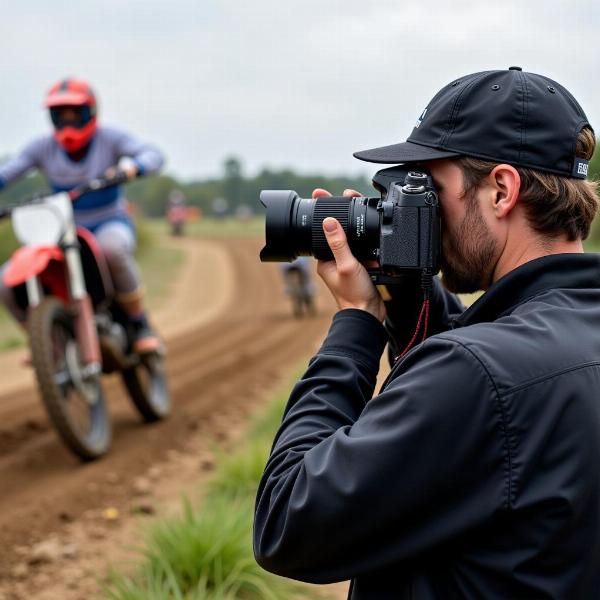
(300, 83)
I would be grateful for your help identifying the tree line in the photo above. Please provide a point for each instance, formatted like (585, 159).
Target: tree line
(233, 191)
(224, 195)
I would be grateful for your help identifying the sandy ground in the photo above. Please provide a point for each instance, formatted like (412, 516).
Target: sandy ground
(231, 343)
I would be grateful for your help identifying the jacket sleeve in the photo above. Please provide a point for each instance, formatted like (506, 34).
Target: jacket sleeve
(352, 487)
(18, 166)
(147, 158)
(405, 305)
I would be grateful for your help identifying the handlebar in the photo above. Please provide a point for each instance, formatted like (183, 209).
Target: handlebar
(100, 183)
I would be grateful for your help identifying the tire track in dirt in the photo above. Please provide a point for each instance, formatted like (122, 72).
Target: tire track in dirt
(214, 367)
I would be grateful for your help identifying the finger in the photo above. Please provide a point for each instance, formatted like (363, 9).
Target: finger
(324, 267)
(320, 193)
(351, 193)
(336, 238)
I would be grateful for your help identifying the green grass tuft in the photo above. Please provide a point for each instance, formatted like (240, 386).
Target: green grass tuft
(206, 553)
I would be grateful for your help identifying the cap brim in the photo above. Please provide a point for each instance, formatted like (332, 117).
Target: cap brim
(402, 153)
(67, 99)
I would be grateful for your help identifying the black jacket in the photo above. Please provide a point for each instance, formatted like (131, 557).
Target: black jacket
(475, 473)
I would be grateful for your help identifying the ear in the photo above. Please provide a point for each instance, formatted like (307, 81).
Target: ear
(506, 184)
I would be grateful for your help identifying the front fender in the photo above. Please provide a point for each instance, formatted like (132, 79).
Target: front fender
(29, 261)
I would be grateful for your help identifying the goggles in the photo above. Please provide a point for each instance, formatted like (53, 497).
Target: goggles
(70, 116)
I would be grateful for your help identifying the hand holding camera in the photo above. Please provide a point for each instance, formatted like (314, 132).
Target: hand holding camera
(346, 278)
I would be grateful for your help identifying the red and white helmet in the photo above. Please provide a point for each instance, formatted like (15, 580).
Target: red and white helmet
(72, 135)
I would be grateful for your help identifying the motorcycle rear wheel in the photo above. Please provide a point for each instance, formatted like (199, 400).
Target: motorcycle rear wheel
(74, 401)
(146, 384)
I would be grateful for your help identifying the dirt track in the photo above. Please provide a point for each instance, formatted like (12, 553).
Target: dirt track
(219, 358)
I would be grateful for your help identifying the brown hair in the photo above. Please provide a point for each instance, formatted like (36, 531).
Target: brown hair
(554, 204)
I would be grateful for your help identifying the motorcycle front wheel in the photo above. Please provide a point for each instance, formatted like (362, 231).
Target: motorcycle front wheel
(73, 397)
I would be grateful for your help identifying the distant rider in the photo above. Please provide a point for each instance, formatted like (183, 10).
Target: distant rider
(80, 150)
(297, 276)
(176, 212)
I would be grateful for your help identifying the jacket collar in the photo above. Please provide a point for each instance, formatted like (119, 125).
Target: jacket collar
(573, 271)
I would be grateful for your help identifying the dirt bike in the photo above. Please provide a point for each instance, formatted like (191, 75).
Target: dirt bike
(298, 289)
(76, 329)
(176, 215)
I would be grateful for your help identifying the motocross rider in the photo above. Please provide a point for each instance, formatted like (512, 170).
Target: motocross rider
(302, 264)
(80, 150)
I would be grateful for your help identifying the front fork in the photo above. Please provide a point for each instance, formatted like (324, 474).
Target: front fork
(86, 333)
(85, 327)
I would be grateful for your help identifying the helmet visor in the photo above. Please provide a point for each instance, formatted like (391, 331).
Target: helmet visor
(70, 116)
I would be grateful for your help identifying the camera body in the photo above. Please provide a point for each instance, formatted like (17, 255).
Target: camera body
(409, 240)
(400, 229)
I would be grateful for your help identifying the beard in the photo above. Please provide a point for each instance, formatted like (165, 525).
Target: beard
(468, 253)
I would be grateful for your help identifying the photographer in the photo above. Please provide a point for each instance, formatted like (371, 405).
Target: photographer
(474, 472)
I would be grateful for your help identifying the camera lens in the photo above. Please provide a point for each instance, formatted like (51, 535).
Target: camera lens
(294, 225)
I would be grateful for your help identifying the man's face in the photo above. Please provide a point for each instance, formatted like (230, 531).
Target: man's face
(469, 250)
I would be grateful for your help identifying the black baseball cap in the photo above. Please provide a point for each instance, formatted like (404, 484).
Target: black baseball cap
(511, 116)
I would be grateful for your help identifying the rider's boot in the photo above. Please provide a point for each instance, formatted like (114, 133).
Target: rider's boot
(145, 339)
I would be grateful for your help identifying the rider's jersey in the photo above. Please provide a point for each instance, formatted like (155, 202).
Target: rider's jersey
(106, 148)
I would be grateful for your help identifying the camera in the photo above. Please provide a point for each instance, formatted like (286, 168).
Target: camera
(400, 229)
